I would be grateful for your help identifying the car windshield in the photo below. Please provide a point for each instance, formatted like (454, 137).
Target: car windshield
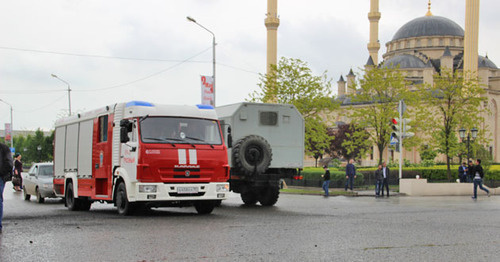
(46, 171)
(180, 130)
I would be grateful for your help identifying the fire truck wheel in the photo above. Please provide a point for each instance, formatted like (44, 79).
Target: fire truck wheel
(39, 197)
(269, 196)
(252, 154)
(26, 195)
(204, 207)
(249, 197)
(125, 208)
(72, 203)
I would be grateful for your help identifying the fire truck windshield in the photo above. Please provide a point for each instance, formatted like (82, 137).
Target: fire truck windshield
(180, 130)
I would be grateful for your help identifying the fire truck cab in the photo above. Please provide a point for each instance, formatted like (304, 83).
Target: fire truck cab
(139, 155)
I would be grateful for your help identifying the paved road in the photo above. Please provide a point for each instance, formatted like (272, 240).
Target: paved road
(299, 228)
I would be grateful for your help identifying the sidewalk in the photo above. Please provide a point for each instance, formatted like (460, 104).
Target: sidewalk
(355, 192)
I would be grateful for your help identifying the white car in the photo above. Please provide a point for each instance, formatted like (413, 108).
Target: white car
(39, 181)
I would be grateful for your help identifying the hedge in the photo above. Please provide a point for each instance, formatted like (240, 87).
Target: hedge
(431, 173)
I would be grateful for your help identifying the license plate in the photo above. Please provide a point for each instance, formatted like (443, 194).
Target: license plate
(187, 190)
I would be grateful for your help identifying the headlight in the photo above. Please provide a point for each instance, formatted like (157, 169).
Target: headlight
(222, 188)
(147, 188)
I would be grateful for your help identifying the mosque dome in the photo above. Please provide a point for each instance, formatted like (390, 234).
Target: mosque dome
(429, 26)
(405, 61)
(486, 62)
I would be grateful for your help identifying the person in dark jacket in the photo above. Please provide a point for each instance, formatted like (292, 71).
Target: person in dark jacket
(5, 174)
(326, 182)
(350, 174)
(385, 181)
(462, 173)
(18, 169)
(470, 172)
(379, 177)
(478, 179)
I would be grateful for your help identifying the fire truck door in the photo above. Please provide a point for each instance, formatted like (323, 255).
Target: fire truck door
(102, 157)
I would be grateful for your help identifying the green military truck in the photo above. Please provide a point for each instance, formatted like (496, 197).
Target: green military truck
(266, 144)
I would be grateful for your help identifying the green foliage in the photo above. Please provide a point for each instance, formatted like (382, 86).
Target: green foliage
(426, 153)
(292, 82)
(28, 147)
(451, 102)
(380, 91)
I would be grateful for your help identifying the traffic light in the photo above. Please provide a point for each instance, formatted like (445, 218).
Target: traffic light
(406, 128)
(396, 130)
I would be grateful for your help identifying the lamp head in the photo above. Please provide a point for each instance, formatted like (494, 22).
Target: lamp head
(53, 75)
(474, 132)
(190, 19)
(461, 133)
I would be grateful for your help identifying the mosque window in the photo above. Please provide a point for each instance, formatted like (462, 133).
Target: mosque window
(419, 44)
(441, 42)
(429, 42)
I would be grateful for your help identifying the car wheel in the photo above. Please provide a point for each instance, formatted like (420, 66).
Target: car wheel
(39, 197)
(26, 195)
(124, 207)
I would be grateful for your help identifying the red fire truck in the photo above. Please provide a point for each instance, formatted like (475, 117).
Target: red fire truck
(140, 155)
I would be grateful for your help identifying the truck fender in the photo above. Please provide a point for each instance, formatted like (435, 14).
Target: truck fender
(71, 177)
(122, 175)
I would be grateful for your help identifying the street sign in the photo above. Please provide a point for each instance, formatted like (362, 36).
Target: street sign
(12, 150)
(394, 140)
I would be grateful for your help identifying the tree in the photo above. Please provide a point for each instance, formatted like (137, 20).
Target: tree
(375, 103)
(452, 102)
(350, 141)
(292, 82)
(28, 147)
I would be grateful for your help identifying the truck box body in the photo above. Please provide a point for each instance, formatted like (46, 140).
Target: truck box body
(173, 154)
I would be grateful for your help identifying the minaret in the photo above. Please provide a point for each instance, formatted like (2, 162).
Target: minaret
(272, 22)
(374, 44)
(471, 37)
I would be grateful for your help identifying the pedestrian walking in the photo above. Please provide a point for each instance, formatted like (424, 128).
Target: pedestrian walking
(462, 173)
(5, 174)
(379, 177)
(326, 178)
(350, 174)
(478, 179)
(385, 181)
(17, 180)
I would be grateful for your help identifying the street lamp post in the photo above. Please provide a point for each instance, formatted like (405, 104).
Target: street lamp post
(39, 148)
(69, 92)
(11, 126)
(472, 134)
(213, 50)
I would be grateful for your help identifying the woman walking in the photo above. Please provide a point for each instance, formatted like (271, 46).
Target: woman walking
(17, 179)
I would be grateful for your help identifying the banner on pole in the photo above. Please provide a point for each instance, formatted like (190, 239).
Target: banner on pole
(207, 90)
(8, 132)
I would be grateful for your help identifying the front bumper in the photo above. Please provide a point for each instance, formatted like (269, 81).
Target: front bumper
(180, 192)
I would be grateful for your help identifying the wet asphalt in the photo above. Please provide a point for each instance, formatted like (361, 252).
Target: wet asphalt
(298, 228)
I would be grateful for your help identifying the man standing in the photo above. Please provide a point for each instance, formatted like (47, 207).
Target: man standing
(470, 172)
(350, 174)
(385, 171)
(326, 177)
(478, 179)
(5, 174)
(462, 173)
(379, 177)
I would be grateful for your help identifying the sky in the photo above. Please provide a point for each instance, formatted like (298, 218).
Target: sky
(121, 50)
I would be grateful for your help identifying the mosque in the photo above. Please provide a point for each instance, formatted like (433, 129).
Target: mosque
(421, 48)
